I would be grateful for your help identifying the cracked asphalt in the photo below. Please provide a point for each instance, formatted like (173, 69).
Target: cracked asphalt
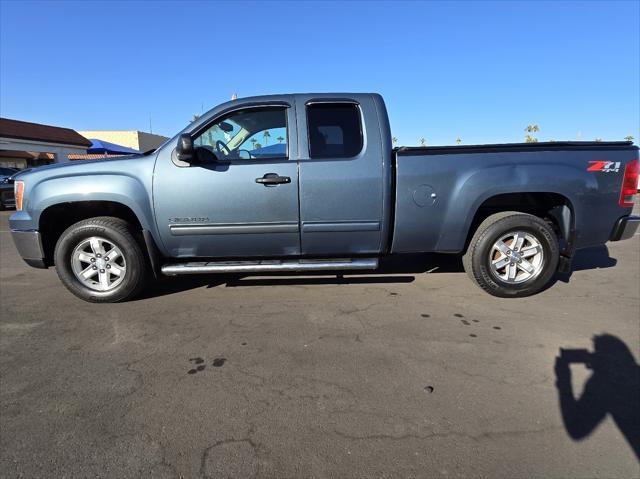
(401, 374)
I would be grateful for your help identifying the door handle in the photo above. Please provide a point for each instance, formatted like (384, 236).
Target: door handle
(273, 179)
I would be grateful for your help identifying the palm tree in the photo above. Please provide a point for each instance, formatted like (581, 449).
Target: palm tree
(394, 140)
(423, 142)
(458, 141)
(258, 146)
(531, 129)
(266, 135)
(195, 118)
(253, 143)
(280, 139)
(629, 138)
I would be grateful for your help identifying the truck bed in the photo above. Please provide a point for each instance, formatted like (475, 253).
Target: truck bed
(515, 147)
(439, 189)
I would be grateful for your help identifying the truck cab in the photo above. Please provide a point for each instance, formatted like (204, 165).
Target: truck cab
(278, 176)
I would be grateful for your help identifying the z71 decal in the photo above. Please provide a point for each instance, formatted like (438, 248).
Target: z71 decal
(604, 166)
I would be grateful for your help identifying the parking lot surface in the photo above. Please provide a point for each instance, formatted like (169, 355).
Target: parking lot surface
(411, 373)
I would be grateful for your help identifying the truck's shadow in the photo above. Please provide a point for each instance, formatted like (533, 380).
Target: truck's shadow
(399, 269)
(596, 257)
(395, 269)
(612, 390)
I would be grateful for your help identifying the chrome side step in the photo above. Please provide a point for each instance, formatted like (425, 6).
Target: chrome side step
(266, 266)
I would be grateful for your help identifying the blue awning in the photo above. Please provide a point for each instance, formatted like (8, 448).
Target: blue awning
(104, 147)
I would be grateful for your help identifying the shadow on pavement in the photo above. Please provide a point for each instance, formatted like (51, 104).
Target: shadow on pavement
(172, 285)
(596, 257)
(613, 389)
(304, 281)
(398, 269)
(393, 269)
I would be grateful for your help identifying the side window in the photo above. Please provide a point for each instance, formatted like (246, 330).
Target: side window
(253, 133)
(334, 130)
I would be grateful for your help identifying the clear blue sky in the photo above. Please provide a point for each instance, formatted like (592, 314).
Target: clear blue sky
(478, 70)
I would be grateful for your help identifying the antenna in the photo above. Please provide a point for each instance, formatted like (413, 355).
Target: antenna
(150, 127)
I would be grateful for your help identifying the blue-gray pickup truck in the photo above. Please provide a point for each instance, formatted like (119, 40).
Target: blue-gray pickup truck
(311, 182)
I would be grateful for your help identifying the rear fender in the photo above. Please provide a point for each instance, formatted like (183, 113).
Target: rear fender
(472, 190)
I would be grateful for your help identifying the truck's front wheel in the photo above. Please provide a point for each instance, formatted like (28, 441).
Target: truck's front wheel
(512, 254)
(100, 261)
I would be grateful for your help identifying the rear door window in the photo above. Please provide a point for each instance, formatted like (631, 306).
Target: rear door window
(334, 130)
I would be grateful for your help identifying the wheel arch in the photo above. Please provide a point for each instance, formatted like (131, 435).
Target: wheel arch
(55, 219)
(552, 207)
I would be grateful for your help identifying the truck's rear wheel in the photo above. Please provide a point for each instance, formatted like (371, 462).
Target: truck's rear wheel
(512, 254)
(100, 261)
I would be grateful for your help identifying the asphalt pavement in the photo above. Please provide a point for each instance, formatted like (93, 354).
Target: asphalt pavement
(411, 373)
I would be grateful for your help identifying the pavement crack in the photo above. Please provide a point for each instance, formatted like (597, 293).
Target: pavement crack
(203, 460)
(443, 435)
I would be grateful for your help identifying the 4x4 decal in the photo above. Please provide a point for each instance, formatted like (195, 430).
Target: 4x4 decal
(604, 166)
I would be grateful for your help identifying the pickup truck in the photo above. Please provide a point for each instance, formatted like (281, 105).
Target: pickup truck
(311, 182)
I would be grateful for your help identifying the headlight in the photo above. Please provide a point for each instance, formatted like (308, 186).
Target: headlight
(18, 192)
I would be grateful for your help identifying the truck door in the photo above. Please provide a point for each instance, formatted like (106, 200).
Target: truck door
(341, 178)
(242, 203)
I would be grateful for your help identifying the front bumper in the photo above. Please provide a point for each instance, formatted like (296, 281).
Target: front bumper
(29, 246)
(625, 228)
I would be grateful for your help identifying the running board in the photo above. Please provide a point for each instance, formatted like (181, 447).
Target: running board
(267, 266)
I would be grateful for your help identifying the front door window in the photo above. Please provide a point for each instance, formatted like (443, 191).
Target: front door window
(248, 134)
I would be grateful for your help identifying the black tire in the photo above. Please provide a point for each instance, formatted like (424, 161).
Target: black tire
(477, 261)
(116, 231)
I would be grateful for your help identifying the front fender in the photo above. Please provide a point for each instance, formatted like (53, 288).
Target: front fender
(114, 187)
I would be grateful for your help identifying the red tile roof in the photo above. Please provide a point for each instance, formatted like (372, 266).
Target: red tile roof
(24, 130)
(97, 156)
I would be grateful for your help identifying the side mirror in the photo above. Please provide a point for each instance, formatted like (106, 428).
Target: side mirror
(185, 150)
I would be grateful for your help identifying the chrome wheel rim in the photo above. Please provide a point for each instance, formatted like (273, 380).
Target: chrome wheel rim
(516, 257)
(98, 264)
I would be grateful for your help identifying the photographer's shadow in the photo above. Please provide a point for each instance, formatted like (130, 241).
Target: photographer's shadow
(613, 388)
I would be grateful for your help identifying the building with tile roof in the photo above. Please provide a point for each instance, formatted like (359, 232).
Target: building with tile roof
(24, 144)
